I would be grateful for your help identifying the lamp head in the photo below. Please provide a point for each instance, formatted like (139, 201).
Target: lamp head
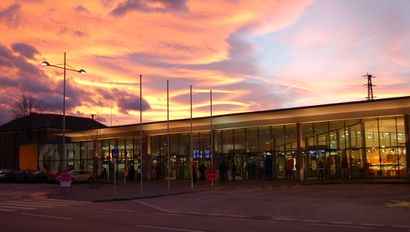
(45, 63)
(82, 71)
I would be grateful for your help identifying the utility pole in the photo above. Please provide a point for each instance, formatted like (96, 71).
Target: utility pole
(369, 86)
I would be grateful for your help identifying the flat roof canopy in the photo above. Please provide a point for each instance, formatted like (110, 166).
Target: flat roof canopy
(327, 112)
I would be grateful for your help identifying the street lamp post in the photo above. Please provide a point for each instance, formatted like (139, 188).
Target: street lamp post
(64, 67)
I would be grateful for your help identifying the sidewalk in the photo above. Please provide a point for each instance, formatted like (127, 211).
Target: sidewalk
(150, 189)
(132, 190)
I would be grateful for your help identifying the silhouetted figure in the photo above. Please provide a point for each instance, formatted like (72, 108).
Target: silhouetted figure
(131, 173)
(202, 170)
(233, 169)
(253, 170)
(321, 169)
(158, 172)
(289, 168)
(223, 172)
(194, 173)
(103, 173)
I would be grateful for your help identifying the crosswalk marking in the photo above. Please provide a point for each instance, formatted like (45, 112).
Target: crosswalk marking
(34, 204)
(8, 206)
(7, 210)
(25, 204)
(71, 202)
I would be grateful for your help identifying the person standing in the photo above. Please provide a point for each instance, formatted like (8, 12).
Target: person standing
(194, 173)
(233, 170)
(202, 170)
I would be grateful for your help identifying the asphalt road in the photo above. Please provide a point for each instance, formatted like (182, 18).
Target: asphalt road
(267, 208)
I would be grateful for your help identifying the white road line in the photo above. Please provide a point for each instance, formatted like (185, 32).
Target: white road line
(244, 219)
(215, 214)
(284, 219)
(7, 210)
(400, 226)
(170, 214)
(235, 216)
(370, 224)
(312, 221)
(168, 228)
(341, 223)
(46, 216)
(33, 204)
(48, 203)
(119, 210)
(194, 213)
(71, 202)
(9, 206)
(150, 206)
(53, 204)
(340, 226)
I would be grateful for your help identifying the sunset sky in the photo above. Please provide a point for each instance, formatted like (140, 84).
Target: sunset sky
(254, 55)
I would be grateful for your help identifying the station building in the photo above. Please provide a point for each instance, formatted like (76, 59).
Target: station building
(362, 139)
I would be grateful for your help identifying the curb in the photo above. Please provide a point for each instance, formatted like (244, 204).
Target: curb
(148, 196)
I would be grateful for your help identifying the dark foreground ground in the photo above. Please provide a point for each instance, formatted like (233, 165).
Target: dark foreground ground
(252, 207)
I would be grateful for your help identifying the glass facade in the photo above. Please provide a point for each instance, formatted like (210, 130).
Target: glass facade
(343, 149)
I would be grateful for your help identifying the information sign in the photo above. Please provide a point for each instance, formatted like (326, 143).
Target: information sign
(211, 174)
(65, 180)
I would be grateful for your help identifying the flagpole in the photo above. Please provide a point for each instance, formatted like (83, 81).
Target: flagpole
(141, 133)
(211, 134)
(190, 142)
(168, 161)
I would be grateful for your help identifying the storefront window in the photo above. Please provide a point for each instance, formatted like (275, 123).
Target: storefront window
(371, 133)
(278, 138)
(307, 132)
(291, 137)
(239, 140)
(252, 136)
(227, 141)
(265, 138)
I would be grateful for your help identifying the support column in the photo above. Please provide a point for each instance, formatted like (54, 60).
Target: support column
(300, 167)
(407, 130)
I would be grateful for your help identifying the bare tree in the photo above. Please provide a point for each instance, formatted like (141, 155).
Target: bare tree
(26, 105)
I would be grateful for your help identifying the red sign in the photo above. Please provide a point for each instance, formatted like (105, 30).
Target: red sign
(65, 180)
(211, 174)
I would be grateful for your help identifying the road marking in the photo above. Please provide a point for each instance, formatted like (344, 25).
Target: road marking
(215, 214)
(119, 210)
(70, 202)
(234, 215)
(243, 219)
(170, 214)
(194, 213)
(341, 223)
(11, 206)
(284, 219)
(46, 216)
(312, 221)
(370, 224)
(400, 226)
(151, 206)
(34, 204)
(7, 210)
(168, 228)
(342, 226)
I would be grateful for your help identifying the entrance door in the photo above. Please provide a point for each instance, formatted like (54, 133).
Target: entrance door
(268, 165)
(315, 164)
(281, 163)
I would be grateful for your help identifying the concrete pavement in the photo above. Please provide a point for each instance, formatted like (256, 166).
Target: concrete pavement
(132, 190)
